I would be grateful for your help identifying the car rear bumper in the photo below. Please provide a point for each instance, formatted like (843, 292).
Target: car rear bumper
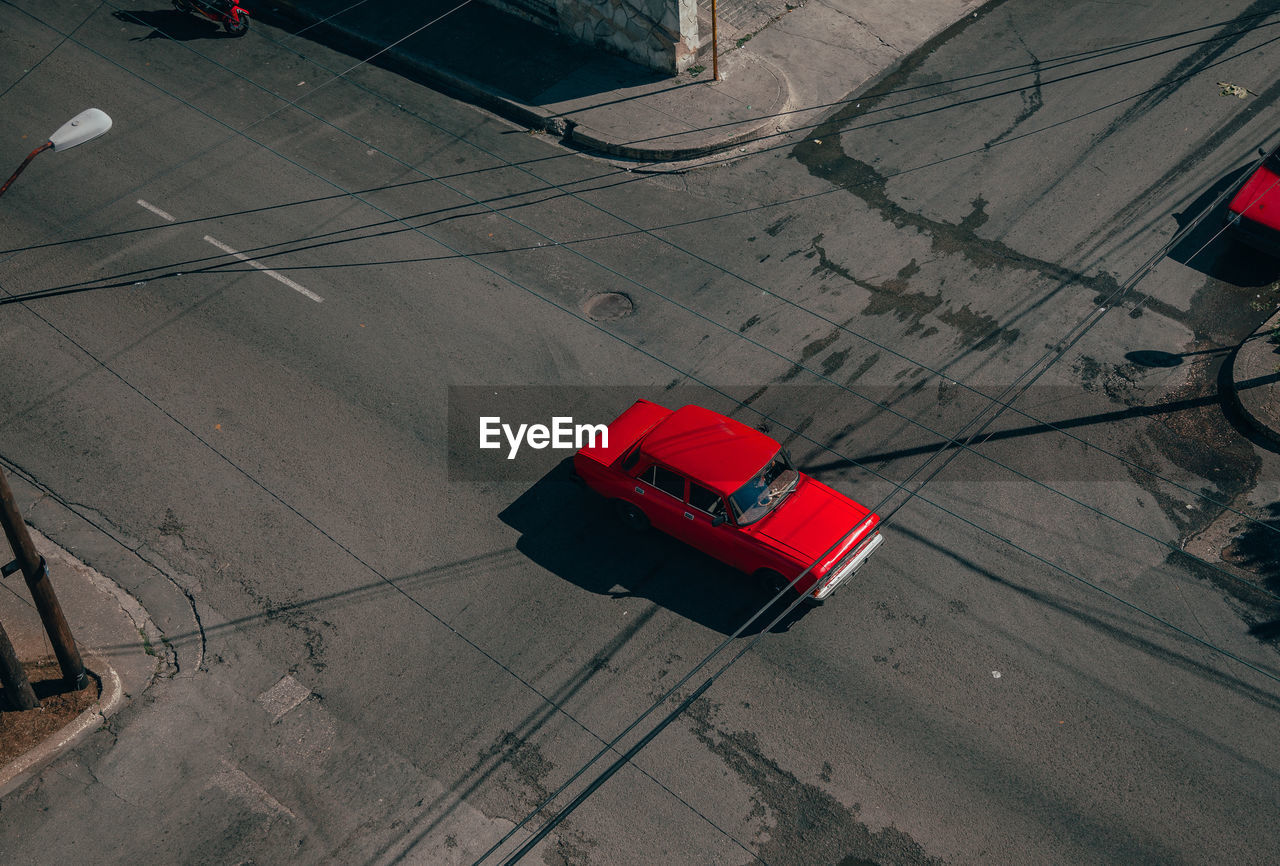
(1261, 237)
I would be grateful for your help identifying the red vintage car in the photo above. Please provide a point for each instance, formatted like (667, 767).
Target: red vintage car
(732, 492)
(1254, 210)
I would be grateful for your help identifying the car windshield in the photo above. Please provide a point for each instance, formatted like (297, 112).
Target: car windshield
(765, 491)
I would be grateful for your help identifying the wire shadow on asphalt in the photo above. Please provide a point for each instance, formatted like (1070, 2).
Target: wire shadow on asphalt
(1123, 625)
(571, 532)
(1037, 429)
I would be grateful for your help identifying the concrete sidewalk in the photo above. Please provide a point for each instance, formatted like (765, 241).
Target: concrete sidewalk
(782, 67)
(120, 646)
(1255, 377)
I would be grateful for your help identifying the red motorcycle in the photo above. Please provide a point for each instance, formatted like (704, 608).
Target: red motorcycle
(230, 14)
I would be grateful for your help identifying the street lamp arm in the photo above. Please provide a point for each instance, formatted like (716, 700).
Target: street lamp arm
(85, 126)
(41, 149)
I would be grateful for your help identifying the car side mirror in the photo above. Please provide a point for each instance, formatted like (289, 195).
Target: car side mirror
(719, 520)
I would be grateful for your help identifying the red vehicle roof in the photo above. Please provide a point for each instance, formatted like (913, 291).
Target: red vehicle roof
(1259, 198)
(714, 450)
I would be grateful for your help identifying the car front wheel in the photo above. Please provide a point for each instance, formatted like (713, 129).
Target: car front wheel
(631, 515)
(770, 581)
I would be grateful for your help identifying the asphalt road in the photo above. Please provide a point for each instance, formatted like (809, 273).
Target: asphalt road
(1030, 669)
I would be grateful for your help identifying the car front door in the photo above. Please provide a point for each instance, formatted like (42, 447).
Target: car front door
(708, 528)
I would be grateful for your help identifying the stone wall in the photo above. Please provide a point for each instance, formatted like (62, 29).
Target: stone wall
(660, 34)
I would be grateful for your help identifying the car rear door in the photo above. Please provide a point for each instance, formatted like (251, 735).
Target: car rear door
(660, 492)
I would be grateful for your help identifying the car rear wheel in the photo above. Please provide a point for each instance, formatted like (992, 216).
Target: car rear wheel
(631, 515)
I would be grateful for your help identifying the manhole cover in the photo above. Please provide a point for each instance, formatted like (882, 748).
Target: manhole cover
(608, 306)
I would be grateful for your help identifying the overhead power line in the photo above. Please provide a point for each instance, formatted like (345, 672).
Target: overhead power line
(914, 493)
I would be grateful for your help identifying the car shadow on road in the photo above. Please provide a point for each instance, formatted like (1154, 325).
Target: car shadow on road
(1215, 251)
(573, 533)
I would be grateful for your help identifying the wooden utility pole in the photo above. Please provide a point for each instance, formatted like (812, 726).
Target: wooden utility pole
(715, 46)
(36, 571)
(17, 687)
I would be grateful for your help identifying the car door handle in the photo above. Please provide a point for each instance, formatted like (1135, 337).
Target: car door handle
(688, 516)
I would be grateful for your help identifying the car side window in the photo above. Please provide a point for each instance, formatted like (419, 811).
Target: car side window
(665, 480)
(705, 500)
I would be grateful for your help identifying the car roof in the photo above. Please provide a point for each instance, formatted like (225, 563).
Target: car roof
(712, 449)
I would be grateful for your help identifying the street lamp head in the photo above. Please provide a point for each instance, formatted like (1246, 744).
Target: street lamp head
(86, 125)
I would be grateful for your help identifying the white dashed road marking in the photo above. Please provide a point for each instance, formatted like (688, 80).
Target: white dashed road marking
(167, 217)
(303, 290)
(300, 289)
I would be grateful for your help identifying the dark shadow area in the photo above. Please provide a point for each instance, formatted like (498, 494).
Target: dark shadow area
(1038, 429)
(1215, 251)
(170, 24)
(573, 533)
(1153, 358)
(503, 53)
(58, 699)
(1257, 549)
(52, 686)
(1266, 631)
(1157, 358)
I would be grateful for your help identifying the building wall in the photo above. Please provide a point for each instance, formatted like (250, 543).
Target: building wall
(660, 34)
